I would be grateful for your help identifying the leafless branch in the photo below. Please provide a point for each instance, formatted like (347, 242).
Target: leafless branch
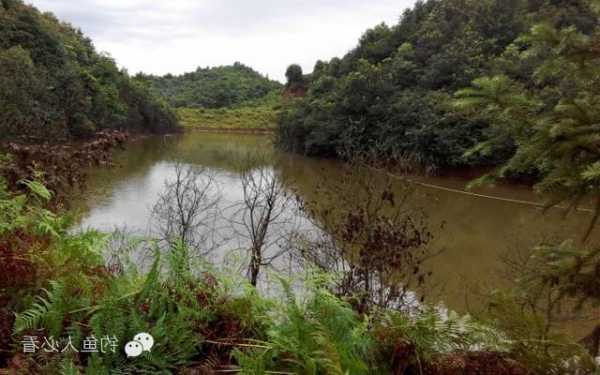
(187, 210)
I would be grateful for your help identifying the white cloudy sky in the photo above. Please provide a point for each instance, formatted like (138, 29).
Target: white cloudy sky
(175, 36)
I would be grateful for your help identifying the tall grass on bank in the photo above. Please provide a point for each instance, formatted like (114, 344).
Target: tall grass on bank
(255, 115)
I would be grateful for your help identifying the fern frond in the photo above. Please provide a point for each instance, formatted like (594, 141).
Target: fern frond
(48, 309)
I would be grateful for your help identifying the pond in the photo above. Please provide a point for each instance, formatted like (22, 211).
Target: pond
(473, 231)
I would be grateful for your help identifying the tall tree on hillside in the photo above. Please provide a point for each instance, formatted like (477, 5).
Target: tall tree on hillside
(294, 75)
(296, 83)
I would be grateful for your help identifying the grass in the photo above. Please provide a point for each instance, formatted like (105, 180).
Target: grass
(255, 115)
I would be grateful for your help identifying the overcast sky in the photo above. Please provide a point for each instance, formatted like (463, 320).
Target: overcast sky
(176, 36)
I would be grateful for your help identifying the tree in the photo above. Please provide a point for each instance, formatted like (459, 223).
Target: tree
(216, 87)
(185, 214)
(294, 75)
(62, 88)
(390, 93)
(375, 44)
(554, 120)
(555, 124)
(21, 96)
(264, 216)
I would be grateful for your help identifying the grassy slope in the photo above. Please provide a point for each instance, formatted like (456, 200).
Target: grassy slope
(254, 115)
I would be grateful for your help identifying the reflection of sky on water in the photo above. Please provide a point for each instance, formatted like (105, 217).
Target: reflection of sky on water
(128, 208)
(131, 200)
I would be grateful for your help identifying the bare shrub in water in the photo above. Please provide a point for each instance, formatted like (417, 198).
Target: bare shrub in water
(186, 211)
(264, 216)
(368, 236)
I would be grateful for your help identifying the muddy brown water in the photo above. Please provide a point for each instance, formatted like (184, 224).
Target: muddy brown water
(477, 231)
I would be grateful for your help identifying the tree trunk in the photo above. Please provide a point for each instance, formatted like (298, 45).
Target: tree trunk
(255, 266)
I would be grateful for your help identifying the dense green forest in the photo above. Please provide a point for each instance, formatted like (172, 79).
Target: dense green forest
(55, 85)
(217, 87)
(393, 93)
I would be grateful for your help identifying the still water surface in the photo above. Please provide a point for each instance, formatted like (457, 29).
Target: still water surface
(476, 232)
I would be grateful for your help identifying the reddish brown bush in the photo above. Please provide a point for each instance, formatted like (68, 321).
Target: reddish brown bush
(16, 268)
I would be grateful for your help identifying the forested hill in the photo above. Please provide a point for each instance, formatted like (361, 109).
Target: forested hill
(394, 92)
(55, 85)
(217, 87)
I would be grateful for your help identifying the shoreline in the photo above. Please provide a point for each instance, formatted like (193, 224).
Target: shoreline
(229, 130)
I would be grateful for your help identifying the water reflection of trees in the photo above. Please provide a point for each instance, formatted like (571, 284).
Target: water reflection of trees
(361, 231)
(214, 151)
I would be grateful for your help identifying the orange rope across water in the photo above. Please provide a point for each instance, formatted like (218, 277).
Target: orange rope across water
(476, 195)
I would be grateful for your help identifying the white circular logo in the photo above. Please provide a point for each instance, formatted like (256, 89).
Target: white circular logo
(142, 342)
(146, 340)
(133, 349)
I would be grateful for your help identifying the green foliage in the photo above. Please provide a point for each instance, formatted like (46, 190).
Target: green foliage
(321, 335)
(259, 114)
(25, 211)
(38, 190)
(524, 322)
(146, 111)
(21, 89)
(166, 308)
(56, 86)
(575, 269)
(552, 117)
(544, 97)
(295, 78)
(48, 311)
(67, 367)
(432, 333)
(218, 87)
(294, 74)
(390, 93)
(12, 215)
